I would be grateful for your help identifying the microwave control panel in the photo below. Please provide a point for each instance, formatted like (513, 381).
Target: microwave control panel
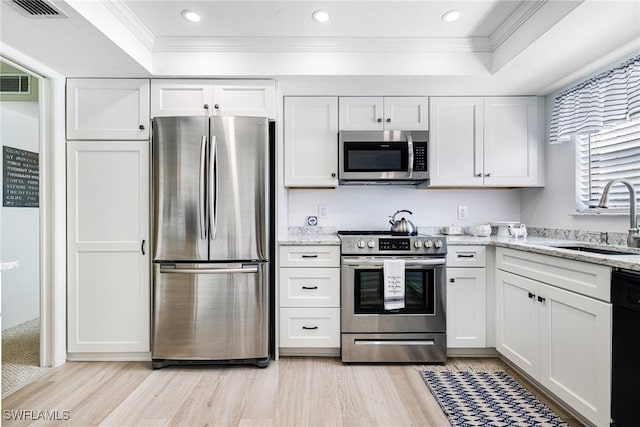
(420, 156)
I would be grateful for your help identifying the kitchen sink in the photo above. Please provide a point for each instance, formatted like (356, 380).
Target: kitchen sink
(602, 251)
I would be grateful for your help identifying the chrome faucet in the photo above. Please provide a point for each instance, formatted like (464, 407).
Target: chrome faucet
(633, 239)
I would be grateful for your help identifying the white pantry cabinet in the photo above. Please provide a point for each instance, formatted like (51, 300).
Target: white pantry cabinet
(486, 142)
(466, 296)
(108, 109)
(309, 299)
(108, 247)
(384, 113)
(559, 337)
(311, 141)
(216, 97)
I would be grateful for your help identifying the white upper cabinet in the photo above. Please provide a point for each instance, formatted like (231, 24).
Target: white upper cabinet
(491, 142)
(311, 141)
(384, 113)
(216, 97)
(456, 141)
(108, 109)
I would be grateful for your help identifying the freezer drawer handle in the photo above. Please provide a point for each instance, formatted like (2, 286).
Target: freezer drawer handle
(253, 269)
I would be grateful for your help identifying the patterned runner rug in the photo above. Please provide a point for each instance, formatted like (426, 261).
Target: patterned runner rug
(487, 399)
(20, 355)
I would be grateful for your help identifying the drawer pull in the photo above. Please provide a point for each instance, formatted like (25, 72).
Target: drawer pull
(309, 256)
(532, 295)
(541, 299)
(466, 255)
(310, 287)
(310, 328)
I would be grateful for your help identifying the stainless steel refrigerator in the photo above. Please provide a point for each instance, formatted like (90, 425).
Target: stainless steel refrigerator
(210, 240)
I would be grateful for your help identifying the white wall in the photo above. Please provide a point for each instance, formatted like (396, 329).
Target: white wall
(554, 205)
(20, 226)
(368, 207)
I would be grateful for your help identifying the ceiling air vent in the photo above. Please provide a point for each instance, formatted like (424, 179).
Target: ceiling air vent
(15, 84)
(38, 9)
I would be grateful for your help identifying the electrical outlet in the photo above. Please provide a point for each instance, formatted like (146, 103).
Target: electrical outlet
(463, 212)
(323, 211)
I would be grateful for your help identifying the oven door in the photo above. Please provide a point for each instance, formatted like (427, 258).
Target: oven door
(363, 296)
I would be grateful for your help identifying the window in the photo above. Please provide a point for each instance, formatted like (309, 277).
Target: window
(613, 153)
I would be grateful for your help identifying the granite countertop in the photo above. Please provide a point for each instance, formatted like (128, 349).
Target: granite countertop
(551, 246)
(8, 265)
(311, 239)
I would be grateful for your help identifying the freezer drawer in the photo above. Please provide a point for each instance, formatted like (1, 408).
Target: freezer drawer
(210, 312)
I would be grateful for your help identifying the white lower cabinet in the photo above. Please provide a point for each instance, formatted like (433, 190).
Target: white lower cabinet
(562, 339)
(108, 249)
(309, 298)
(466, 297)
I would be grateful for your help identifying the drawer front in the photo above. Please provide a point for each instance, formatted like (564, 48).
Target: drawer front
(309, 256)
(310, 327)
(466, 256)
(588, 279)
(309, 287)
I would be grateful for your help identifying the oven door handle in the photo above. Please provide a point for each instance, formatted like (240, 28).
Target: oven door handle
(379, 263)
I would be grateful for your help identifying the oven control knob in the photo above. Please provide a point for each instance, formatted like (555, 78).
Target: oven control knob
(361, 244)
(427, 244)
(371, 244)
(417, 244)
(437, 244)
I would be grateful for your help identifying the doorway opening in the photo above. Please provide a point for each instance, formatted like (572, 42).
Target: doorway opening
(20, 139)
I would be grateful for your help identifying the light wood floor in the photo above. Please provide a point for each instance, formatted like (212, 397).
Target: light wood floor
(295, 391)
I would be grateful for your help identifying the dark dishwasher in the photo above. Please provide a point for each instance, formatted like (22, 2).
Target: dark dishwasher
(625, 399)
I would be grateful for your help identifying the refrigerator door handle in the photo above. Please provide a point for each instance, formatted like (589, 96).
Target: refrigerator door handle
(246, 270)
(213, 188)
(202, 205)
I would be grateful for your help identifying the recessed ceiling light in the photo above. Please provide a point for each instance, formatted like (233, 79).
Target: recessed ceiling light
(451, 16)
(320, 16)
(190, 15)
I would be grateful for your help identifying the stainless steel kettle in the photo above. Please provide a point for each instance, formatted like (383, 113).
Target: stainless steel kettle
(403, 226)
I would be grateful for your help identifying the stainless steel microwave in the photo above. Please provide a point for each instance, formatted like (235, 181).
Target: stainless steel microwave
(383, 157)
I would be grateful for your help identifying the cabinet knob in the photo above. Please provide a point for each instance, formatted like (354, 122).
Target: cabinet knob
(477, 175)
(379, 120)
(487, 174)
(216, 106)
(333, 175)
(206, 106)
(541, 299)
(141, 127)
(388, 120)
(452, 280)
(531, 295)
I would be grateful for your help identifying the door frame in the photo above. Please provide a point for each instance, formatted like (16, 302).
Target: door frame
(52, 221)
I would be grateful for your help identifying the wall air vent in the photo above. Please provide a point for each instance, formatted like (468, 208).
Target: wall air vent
(38, 9)
(15, 84)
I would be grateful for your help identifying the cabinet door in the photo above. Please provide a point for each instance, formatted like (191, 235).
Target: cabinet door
(466, 313)
(406, 113)
(576, 351)
(108, 109)
(248, 98)
(511, 141)
(181, 97)
(456, 141)
(517, 319)
(361, 113)
(311, 141)
(108, 246)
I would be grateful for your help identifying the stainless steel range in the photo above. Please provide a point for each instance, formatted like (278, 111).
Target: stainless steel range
(372, 333)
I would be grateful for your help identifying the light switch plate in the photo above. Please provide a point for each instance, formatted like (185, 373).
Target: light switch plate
(463, 212)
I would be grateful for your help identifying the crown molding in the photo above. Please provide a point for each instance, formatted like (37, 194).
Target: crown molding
(320, 44)
(130, 20)
(514, 21)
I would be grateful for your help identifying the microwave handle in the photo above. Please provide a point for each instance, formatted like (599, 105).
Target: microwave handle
(410, 159)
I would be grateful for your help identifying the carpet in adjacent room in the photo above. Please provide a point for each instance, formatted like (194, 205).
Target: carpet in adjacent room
(20, 355)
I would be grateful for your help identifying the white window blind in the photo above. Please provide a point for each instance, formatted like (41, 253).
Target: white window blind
(613, 153)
